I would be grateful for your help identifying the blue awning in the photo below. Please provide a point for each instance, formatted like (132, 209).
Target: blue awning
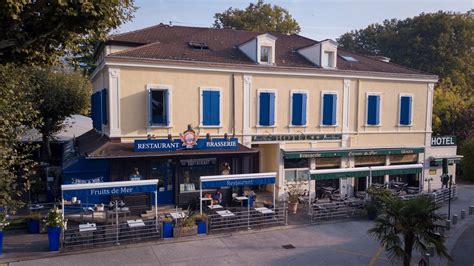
(108, 188)
(237, 180)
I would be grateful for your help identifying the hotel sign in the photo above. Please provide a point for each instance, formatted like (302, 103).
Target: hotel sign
(296, 137)
(443, 141)
(158, 145)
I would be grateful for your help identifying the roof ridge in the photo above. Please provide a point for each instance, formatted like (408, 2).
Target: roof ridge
(134, 31)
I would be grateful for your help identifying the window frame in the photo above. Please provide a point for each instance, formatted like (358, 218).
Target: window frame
(367, 108)
(324, 92)
(259, 91)
(201, 105)
(269, 55)
(411, 95)
(158, 87)
(330, 59)
(291, 107)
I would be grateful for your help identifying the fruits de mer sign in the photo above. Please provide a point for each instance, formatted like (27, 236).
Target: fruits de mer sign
(108, 191)
(157, 145)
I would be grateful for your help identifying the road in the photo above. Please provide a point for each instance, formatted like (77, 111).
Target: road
(463, 250)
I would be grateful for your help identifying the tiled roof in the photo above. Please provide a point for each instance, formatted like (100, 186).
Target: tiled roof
(171, 43)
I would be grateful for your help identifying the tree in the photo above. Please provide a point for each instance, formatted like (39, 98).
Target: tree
(41, 32)
(17, 115)
(258, 17)
(467, 163)
(57, 95)
(406, 225)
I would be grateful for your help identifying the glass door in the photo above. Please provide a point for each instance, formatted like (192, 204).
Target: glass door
(164, 172)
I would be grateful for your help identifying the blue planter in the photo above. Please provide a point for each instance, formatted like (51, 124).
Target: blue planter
(1, 243)
(167, 229)
(54, 235)
(33, 226)
(201, 227)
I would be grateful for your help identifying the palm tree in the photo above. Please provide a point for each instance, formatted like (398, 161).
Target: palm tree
(406, 225)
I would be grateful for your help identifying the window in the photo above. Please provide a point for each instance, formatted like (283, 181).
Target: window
(104, 106)
(210, 108)
(267, 109)
(328, 59)
(265, 54)
(159, 107)
(405, 110)
(329, 105)
(373, 110)
(349, 58)
(192, 169)
(298, 110)
(96, 110)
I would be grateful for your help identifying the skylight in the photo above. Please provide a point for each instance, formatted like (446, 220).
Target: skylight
(198, 45)
(349, 58)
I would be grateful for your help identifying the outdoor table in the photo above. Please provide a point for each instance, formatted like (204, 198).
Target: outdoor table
(241, 199)
(216, 206)
(87, 227)
(264, 210)
(225, 213)
(178, 215)
(135, 223)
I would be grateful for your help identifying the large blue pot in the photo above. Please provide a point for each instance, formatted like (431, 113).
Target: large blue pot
(1, 243)
(54, 235)
(201, 227)
(167, 229)
(33, 226)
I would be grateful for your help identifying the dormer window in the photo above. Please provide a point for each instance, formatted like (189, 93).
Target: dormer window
(265, 54)
(328, 59)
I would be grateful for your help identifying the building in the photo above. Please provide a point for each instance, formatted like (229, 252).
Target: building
(245, 102)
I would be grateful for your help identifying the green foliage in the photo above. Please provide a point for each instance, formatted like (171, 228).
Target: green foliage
(467, 163)
(57, 95)
(294, 189)
(17, 115)
(54, 218)
(42, 31)
(3, 220)
(258, 17)
(406, 225)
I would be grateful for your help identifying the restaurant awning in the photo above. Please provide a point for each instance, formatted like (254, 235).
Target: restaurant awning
(297, 154)
(217, 181)
(438, 161)
(108, 188)
(326, 174)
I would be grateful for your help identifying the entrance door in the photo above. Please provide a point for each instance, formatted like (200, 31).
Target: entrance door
(164, 172)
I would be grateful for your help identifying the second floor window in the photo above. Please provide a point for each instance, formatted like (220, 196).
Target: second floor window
(159, 107)
(329, 109)
(267, 109)
(373, 110)
(298, 111)
(265, 54)
(405, 110)
(210, 108)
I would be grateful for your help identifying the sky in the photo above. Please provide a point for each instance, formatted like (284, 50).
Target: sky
(318, 19)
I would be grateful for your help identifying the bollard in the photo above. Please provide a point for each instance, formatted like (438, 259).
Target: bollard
(455, 219)
(463, 214)
(448, 225)
(471, 210)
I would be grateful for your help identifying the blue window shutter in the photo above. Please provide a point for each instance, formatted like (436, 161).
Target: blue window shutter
(264, 109)
(373, 110)
(166, 108)
(303, 108)
(296, 114)
(104, 107)
(150, 108)
(333, 111)
(206, 108)
(93, 112)
(271, 117)
(405, 110)
(329, 109)
(96, 111)
(214, 108)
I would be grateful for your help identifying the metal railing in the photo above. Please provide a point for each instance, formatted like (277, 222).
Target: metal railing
(245, 219)
(441, 196)
(337, 210)
(111, 235)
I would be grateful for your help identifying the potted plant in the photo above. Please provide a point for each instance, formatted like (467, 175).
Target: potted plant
(55, 223)
(187, 227)
(371, 208)
(33, 223)
(294, 190)
(167, 227)
(200, 220)
(3, 224)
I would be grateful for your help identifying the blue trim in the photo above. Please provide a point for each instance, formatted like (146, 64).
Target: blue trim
(238, 182)
(157, 145)
(373, 110)
(211, 108)
(298, 115)
(267, 109)
(329, 109)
